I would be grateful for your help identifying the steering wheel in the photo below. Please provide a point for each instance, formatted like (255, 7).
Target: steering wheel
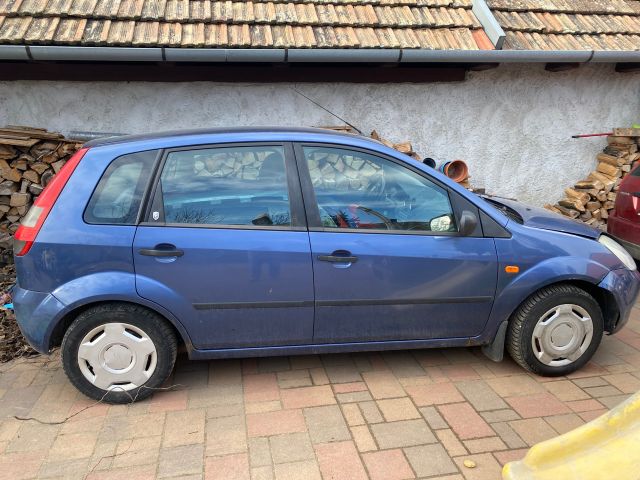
(387, 221)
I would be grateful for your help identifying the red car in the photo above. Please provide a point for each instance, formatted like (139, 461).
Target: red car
(624, 220)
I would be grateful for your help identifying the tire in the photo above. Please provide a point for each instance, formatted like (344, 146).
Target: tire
(118, 353)
(551, 323)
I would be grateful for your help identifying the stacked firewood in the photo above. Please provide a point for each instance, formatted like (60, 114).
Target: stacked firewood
(590, 200)
(29, 158)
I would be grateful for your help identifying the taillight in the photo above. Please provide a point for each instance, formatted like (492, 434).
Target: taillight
(37, 214)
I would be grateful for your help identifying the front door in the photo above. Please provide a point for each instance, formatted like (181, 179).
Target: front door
(387, 258)
(225, 247)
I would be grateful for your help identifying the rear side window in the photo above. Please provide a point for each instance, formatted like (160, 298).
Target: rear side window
(117, 198)
(230, 186)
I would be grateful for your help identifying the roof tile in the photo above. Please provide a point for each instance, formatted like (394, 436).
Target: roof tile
(82, 8)
(170, 34)
(42, 30)
(70, 30)
(96, 32)
(260, 35)
(31, 7)
(154, 9)
(216, 34)
(121, 33)
(107, 8)
(13, 30)
(9, 6)
(58, 7)
(145, 34)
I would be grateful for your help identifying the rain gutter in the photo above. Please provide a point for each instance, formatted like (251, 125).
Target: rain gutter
(292, 55)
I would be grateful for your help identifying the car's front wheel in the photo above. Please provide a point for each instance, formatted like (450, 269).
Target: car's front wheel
(118, 353)
(555, 331)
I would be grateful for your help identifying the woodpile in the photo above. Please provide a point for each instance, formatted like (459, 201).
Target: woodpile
(29, 158)
(590, 200)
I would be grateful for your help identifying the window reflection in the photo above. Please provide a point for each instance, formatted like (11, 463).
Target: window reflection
(227, 186)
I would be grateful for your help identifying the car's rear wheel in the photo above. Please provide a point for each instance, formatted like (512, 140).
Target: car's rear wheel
(555, 331)
(118, 353)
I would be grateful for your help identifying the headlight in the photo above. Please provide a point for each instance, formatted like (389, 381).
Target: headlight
(619, 251)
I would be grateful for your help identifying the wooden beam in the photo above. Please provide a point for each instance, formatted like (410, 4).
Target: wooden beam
(560, 67)
(227, 72)
(627, 67)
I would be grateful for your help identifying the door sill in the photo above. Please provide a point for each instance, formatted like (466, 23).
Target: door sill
(205, 354)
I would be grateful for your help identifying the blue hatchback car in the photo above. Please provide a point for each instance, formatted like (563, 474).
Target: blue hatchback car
(255, 242)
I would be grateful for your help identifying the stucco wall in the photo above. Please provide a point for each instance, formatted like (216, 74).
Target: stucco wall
(512, 124)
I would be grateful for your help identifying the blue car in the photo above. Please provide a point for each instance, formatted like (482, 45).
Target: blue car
(267, 241)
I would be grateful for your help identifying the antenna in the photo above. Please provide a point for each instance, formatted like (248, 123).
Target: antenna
(327, 110)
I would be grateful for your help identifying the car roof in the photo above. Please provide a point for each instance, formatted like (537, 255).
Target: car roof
(251, 133)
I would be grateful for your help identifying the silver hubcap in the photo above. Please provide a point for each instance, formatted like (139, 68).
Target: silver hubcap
(117, 356)
(562, 335)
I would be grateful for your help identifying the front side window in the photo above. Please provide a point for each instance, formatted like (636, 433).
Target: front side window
(357, 190)
(226, 186)
(116, 199)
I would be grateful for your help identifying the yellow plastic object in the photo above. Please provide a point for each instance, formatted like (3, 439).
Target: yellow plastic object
(605, 448)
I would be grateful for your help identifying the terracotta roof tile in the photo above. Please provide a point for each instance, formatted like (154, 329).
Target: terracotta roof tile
(130, 9)
(215, 34)
(70, 30)
(42, 30)
(82, 8)
(121, 33)
(200, 11)
(170, 34)
(96, 32)
(13, 30)
(154, 9)
(32, 7)
(107, 8)
(58, 7)
(145, 34)
(261, 35)
(9, 6)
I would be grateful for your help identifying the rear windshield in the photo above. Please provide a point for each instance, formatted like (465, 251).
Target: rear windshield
(116, 200)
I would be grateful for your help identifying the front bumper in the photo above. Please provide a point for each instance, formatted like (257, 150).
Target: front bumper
(36, 314)
(624, 285)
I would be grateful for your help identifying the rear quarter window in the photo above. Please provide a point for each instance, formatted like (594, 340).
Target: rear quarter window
(118, 195)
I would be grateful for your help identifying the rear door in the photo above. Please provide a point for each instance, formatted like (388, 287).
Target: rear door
(225, 246)
(388, 261)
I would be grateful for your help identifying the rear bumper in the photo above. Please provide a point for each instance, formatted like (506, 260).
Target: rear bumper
(624, 285)
(36, 313)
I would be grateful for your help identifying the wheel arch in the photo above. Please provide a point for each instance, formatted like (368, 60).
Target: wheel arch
(66, 319)
(495, 346)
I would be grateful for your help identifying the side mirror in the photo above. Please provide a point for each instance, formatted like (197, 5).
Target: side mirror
(468, 223)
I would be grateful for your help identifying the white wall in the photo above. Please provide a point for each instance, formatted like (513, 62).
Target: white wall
(512, 124)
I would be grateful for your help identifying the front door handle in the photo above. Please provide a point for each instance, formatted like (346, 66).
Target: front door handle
(162, 250)
(339, 256)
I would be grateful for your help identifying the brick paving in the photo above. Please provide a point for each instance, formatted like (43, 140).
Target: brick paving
(380, 415)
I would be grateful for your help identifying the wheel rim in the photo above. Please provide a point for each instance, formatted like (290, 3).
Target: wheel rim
(562, 335)
(117, 356)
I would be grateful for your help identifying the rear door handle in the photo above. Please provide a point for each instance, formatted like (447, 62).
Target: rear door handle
(339, 256)
(162, 250)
